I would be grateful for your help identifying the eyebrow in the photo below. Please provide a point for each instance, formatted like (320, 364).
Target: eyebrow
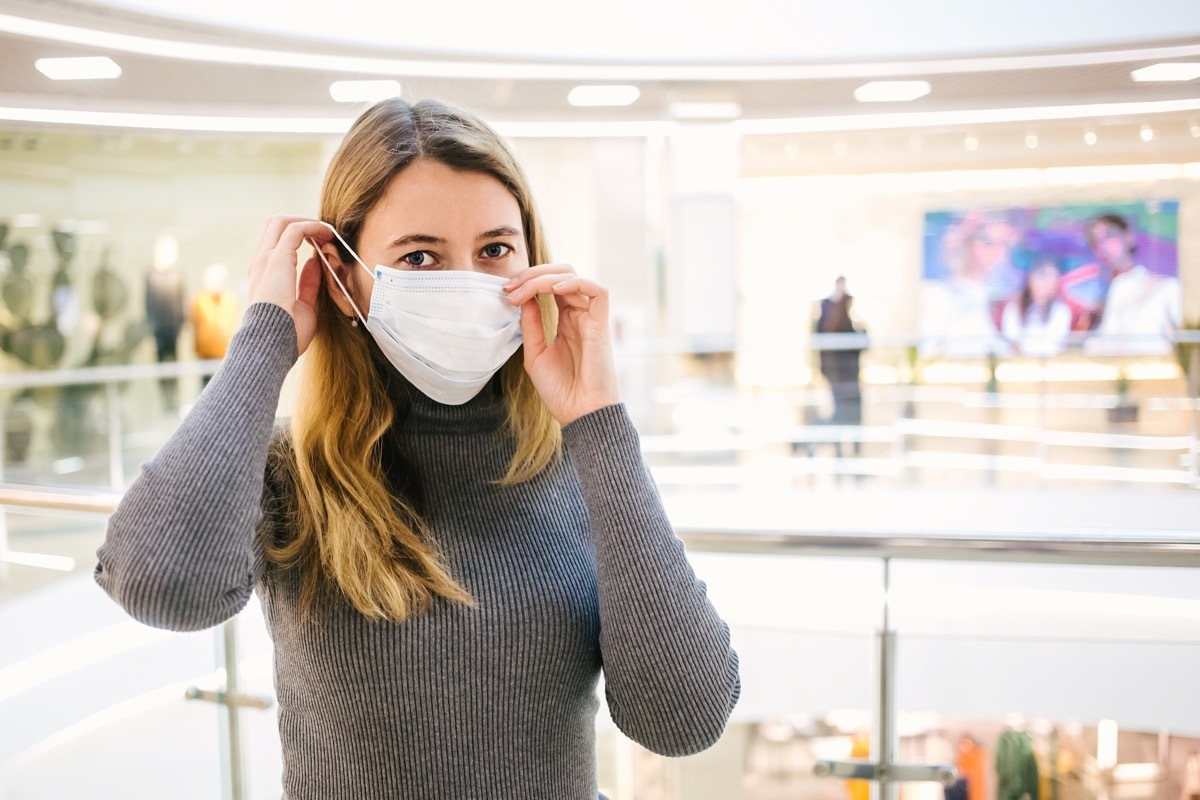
(425, 238)
(494, 233)
(416, 238)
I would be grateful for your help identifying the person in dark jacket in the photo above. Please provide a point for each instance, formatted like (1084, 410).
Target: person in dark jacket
(839, 360)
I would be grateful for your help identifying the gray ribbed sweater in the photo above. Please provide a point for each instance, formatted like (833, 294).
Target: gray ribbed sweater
(574, 570)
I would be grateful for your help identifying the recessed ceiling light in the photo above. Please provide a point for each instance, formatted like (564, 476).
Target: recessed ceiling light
(1195, 130)
(1089, 137)
(1173, 71)
(604, 95)
(971, 142)
(1147, 133)
(1031, 140)
(692, 110)
(891, 91)
(86, 68)
(363, 91)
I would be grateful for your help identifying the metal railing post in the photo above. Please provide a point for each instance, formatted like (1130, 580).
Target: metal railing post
(3, 510)
(234, 763)
(1043, 446)
(883, 737)
(116, 461)
(882, 769)
(1194, 402)
(230, 701)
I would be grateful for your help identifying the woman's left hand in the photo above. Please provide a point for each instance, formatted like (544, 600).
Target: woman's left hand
(576, 374)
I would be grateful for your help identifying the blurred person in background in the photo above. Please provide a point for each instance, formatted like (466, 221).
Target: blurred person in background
(1037, 323)
(165, 313)
(458, 530)
(959, 315)
(1139, 311)
(839, 360)
(214, 315)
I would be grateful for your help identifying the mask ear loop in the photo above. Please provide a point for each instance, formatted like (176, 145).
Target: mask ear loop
(333, 272)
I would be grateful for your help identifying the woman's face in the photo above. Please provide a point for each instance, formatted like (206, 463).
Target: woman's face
(1043, 284)
(1113, 246)
(988, 248)
(432, 217)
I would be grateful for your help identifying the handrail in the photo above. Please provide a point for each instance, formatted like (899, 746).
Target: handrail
(817, 341)
(1083, 546)
(1076, 546)
(82, 376)
(58, 499)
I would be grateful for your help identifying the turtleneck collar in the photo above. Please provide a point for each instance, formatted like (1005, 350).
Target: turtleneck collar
(416, 411)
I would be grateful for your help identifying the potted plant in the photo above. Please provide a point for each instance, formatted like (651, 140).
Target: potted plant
(1188, 354)
(1126, 409)
(912, 357)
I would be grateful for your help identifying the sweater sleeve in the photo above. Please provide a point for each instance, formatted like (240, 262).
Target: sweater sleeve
(671, 677)
(180, 550)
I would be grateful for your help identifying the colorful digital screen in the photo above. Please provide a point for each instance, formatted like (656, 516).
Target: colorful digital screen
(991, 277)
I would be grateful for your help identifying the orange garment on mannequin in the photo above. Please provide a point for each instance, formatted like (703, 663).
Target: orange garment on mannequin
(860, 747)
(215, 317)
(972, 765)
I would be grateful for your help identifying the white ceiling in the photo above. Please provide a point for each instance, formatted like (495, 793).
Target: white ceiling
(705, 31)
(792, 65)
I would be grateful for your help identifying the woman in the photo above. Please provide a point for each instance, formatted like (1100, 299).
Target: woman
(1037, 322)
(458, 531)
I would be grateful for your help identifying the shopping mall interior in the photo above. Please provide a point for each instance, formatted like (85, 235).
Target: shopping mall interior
(904, 307)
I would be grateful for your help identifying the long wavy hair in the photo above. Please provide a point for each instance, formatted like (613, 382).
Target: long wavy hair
(356, 526)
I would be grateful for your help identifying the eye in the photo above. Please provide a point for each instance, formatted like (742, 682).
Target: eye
(418, 259)
(496, 250)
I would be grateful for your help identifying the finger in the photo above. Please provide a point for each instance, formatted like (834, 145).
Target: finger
(576, 287)
(270, 232)
(572, 300)
(541, 284)
(568, 285)
(532, 334)
(273, 229)
(538, 271)
(292, 238)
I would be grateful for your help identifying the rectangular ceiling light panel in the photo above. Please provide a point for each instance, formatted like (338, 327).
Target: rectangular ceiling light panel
(85, 68)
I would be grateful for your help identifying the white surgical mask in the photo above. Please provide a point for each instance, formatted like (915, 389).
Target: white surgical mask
(447, 332)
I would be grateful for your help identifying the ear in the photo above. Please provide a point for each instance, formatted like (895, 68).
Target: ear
(348, 275)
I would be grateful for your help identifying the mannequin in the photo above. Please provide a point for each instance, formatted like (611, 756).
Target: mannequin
(164, 308)
(970, 761)
(1016, 765)
(1191, 777)
(214, 314)
(64, 294)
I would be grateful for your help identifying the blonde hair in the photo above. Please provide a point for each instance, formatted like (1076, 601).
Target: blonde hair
(351, 531)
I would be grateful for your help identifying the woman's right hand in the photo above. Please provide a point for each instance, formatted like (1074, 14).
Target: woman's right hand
(273, 272)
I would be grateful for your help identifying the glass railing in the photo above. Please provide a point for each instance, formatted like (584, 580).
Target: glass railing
(905, 657)
(735, 417)
(92, 426)
(1085, 418)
